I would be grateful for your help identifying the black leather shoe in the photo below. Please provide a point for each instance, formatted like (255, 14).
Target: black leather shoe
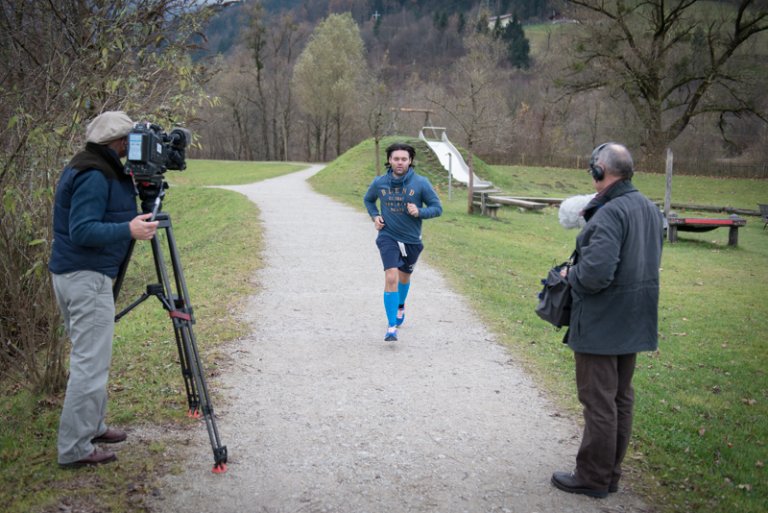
(567, 482)
(97, 457)
(110, 436)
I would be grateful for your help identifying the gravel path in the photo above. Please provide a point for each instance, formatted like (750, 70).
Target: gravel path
(319, 414)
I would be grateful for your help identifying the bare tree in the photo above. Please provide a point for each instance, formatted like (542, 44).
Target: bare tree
(257, 118)
(474, 99)
(228, 129)
(671, 61)
(60, 64)
(257, 41)
(285, 39)
(376, 103)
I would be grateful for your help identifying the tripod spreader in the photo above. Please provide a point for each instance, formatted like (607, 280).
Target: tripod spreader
(152, 290)
(180, 311)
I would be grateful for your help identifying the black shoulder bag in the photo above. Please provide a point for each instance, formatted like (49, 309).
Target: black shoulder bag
(555, 296)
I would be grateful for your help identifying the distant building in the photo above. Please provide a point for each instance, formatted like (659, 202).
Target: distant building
(504, 20)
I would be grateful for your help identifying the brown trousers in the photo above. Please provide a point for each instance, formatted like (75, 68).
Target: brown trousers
(604, 383)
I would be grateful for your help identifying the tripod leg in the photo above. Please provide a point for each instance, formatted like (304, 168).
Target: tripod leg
(180, 310)
(183, 327)
(169, 303)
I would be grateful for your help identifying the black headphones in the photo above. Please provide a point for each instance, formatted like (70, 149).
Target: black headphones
(597, 172)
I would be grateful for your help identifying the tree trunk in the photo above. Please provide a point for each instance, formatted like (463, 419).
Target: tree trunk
(338, 132)
(655, 151)
(326, 136)
(470, 180)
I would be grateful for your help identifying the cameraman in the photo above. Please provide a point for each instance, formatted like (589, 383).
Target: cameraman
(94, 219)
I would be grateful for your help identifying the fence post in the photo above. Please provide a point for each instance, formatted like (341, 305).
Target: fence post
(668, 190)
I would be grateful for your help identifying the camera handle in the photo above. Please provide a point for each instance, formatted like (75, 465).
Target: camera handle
(180, 311)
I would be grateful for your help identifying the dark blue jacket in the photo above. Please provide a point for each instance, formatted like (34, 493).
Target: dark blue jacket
(393, 194)
(615, 282)
(91, 214)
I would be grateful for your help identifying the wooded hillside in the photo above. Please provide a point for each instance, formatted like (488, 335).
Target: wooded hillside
(559, 89)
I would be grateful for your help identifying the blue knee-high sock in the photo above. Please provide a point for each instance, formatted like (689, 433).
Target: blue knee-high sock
(402, 290)
(390, 306)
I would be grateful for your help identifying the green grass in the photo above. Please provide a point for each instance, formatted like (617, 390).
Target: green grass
(229, 172)
(702, 400)
(561, 183)
(355, 169)
(219, 240)
(545, 38)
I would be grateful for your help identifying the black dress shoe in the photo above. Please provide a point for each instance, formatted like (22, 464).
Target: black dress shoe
(110, 436)
(97, 457)
(567, 482)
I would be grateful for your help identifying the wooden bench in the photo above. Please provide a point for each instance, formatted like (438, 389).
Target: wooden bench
(524, 204)
(480, 198)
(701, 224)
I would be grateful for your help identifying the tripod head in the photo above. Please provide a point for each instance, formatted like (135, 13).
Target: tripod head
(151, 192)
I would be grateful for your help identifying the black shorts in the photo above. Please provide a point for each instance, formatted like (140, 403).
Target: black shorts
(392, 256)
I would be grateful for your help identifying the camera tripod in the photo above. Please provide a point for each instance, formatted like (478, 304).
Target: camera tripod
(180, 311)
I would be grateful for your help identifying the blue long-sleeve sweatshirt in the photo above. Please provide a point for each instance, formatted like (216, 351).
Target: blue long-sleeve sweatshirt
(393, 194)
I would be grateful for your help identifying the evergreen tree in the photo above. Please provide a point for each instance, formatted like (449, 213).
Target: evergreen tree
(481, 27)
(461, 24)
(518, 47)
(497, 28)
(440, 20)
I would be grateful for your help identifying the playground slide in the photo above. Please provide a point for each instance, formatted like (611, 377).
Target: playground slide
(450, 157)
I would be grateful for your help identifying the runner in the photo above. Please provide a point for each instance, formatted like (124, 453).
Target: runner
(403, 195)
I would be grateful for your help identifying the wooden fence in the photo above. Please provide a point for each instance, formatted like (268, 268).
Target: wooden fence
(691, 166)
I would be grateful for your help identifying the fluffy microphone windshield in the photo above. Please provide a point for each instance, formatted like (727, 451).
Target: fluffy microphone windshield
(570, 211)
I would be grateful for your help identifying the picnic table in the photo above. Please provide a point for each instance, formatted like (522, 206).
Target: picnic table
(705, 224)
(490, 200)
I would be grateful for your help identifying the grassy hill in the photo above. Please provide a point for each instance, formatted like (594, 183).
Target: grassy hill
(355, 169)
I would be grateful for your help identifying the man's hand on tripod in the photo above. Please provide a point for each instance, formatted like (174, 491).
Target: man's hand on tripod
(141, 229)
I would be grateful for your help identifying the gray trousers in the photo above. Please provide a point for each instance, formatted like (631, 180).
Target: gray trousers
(88, 308)
(605, 390)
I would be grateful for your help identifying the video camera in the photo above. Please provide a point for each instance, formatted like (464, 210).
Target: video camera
(151, 152)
